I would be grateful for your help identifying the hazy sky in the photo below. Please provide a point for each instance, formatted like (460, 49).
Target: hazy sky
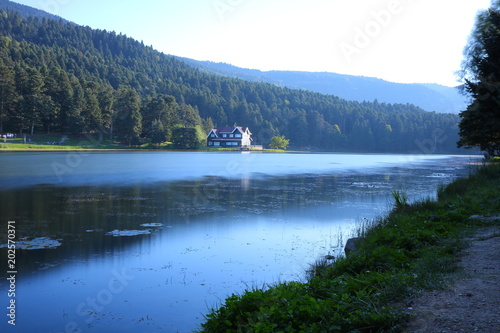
(396, 40)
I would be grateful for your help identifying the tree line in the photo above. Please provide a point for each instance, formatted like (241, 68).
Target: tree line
(58, 76)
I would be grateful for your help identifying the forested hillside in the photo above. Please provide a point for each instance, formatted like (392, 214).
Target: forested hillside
(430, 97)
(66, 78)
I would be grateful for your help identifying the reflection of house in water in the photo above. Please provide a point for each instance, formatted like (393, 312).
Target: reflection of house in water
(230, 137)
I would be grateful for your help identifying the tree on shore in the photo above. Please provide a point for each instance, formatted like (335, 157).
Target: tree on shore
(158, 133)
(185, 138)
(279, 142)
(129, 118)
(480, 122)
(8, 95)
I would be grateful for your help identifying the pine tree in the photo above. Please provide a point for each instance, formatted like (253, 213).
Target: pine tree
(91, 112)
(106, 98)
(128, 124)
(158, 134)
(34, 99)
(8, 95)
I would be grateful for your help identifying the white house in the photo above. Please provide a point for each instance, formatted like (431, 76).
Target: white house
(230, 137)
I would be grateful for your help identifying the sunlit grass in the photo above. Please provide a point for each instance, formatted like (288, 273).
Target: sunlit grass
(56, 142)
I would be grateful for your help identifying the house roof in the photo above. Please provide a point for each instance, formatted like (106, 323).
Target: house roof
(229, 130)
(232, 129)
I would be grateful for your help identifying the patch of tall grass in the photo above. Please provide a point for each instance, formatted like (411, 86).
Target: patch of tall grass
(400, 199)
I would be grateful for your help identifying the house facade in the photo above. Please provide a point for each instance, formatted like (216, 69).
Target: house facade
(229, 137)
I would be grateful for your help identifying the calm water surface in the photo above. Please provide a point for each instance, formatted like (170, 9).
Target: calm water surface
(151, 240)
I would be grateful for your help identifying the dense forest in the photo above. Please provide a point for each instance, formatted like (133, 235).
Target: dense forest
(430, 97)
(56, 76)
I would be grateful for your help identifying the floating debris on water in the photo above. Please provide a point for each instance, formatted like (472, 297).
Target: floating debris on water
(94, 230)
(128, 233)
(152, 225)
(441, 175)
(40, 243)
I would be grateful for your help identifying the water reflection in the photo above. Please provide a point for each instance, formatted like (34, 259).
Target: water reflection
(219, 235)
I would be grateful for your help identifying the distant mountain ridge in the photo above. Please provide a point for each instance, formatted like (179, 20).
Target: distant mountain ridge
(430, 97)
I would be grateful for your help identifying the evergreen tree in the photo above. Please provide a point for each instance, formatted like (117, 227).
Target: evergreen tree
(75, 116)
(91, 112)
(8, 95)
(33, 99)
(106, 98)
(128, 123)
(63, 97)
(161, 108)
(185, 138)
(158, 134)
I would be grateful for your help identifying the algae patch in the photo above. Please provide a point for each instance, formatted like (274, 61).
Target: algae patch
(39, 243)
(128, 233)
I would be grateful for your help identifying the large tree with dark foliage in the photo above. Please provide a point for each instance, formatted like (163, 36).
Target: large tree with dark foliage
(480, 123)
(128, 123)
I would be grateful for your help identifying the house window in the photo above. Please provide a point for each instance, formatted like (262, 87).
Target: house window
(210, 143)
(224, 135)
(237, 135)
(231, 135)
(212, 135)
(216, 143)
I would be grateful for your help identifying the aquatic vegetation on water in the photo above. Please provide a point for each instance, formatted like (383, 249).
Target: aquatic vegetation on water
(128, 233)
(39, 243)
(152, 225)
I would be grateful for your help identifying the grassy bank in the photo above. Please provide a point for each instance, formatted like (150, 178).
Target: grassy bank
(54, 143)
(58, 142)
(412, 249)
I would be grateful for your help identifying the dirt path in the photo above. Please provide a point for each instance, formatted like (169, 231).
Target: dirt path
(472, 304)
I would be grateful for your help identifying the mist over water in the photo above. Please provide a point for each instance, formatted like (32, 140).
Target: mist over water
(152, 240)
(131, 168)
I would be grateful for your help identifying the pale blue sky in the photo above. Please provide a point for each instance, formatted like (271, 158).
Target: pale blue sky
(397, 40)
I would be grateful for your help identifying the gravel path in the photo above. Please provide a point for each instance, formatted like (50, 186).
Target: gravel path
(472, 304)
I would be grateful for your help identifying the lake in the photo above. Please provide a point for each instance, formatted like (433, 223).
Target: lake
(150, 241)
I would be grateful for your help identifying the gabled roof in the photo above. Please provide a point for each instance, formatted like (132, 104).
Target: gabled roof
(229, 130)
(212, 131)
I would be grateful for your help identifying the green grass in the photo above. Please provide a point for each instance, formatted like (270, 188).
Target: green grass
(41, 142)
(412, 249)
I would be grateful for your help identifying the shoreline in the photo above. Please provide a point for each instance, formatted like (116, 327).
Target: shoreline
(24, 150)
(415, 248)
